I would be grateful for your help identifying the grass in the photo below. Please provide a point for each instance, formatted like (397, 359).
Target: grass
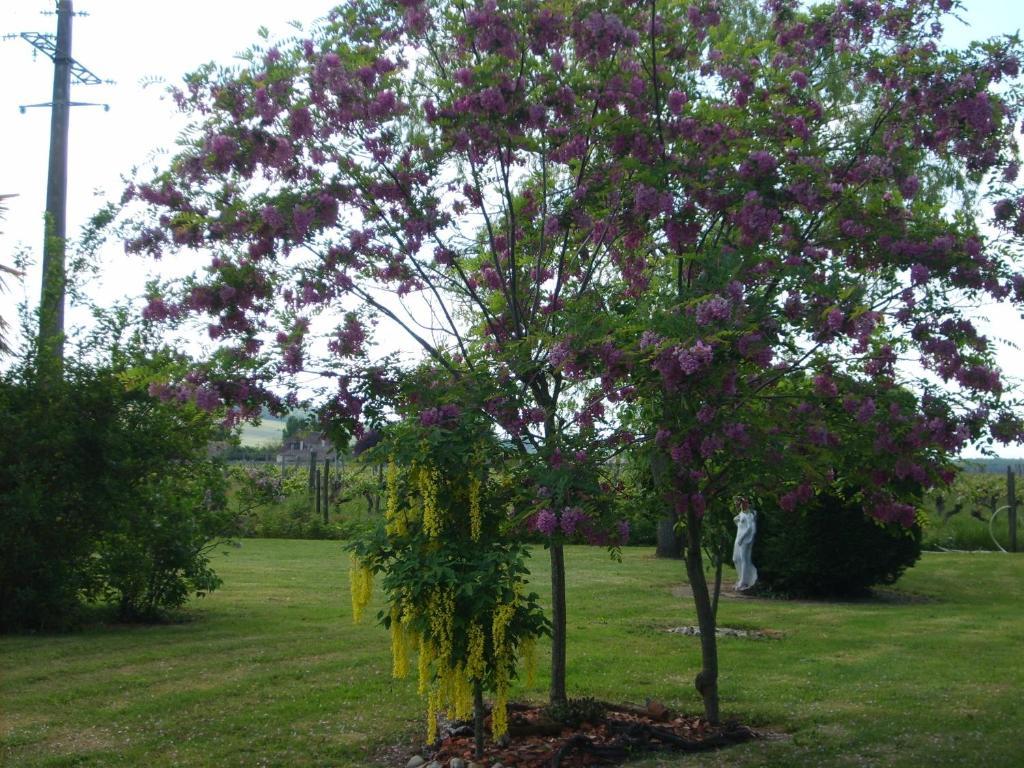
(270, 670)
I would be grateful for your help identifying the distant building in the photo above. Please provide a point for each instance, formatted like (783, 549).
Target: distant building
(296, 449)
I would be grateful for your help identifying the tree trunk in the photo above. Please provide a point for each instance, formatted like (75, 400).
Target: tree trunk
(557, 624)
(718, 588)
(670, 541)
(478, 719)
(707, 679)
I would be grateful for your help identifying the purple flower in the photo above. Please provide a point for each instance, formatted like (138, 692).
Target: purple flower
(712, 310)
(834, 319)
(156, 310)
(676, 100)
(866, 410)
(300, 123)
(224, 150)
(571, 518)
(545, 522)
(1004, 210)
(910, 186)
(206, 399)
(824, 385)
(649, 339)
(919, 274)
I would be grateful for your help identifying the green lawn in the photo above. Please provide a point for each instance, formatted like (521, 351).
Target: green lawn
(271, 671)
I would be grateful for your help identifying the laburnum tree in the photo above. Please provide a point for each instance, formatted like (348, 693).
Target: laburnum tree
(455, 583)
(715, 228)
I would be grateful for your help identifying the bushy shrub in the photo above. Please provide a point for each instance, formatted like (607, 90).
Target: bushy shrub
(830, 547)
(105, 493)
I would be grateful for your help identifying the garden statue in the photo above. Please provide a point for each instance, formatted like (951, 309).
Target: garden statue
(746, 527)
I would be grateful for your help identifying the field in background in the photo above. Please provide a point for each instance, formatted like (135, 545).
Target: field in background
(267, 432)
(270, 670)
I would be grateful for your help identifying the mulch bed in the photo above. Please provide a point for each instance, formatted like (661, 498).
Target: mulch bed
(534, 740)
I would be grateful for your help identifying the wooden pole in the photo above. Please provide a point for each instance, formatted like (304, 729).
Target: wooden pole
(312, 471)
(1011, 500)
(327, 487)
(318, 492)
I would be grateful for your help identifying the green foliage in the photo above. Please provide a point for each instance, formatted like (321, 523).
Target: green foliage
(830, 547)
(293, 426)
(271, 506)
(959, 517)
(573, 712)
(105, 493)
(455, 583)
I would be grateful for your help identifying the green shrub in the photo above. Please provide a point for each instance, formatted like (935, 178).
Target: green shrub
(830, 547)
(105, 493)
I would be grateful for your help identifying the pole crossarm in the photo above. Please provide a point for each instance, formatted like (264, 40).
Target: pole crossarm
(47, 43)
(23, 107)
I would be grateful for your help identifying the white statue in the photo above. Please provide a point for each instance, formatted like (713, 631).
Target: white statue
(746, 527)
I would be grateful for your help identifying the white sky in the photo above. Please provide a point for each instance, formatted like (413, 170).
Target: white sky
(131, 42)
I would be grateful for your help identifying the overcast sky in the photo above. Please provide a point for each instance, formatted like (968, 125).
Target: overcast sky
(144, 45)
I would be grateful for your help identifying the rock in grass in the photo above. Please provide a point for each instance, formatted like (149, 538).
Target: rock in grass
(456, 762)
(415, 762)
(433, 764)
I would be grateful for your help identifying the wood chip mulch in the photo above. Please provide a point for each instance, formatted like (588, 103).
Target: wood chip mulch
(535, 741)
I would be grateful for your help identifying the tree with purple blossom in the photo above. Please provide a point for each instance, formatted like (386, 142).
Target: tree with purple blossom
(715, 222)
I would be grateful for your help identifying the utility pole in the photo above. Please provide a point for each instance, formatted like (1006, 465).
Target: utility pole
(51, 299)
(65, 68)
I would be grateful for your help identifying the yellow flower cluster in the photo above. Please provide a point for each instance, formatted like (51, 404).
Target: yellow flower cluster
(502, 667)
(400, 641)
(428, 483)
(476, 665)
(446, 686)
(360, 580)
(476, 520)
(395, 525)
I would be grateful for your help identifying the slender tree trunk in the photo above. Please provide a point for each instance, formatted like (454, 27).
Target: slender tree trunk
(718, 588)
(557, 624)
(478, 719)
(707, 679)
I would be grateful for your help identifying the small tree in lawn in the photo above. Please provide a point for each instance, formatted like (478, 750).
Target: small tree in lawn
(454, 583)
(676, 206)
(794, 211)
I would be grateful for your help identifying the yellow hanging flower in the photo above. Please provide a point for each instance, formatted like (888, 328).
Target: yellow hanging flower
(502, 662)
(428, 482)
(441, 606)
(462, 693)
(475, 663)
(475, 513)
(423, 667)
(399, 644)
(395, 520)
(360, 579)
(499, 714)
(432, 709)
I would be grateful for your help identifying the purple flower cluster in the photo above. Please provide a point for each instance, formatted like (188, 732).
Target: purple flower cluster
(444, 416)
(713, 310)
